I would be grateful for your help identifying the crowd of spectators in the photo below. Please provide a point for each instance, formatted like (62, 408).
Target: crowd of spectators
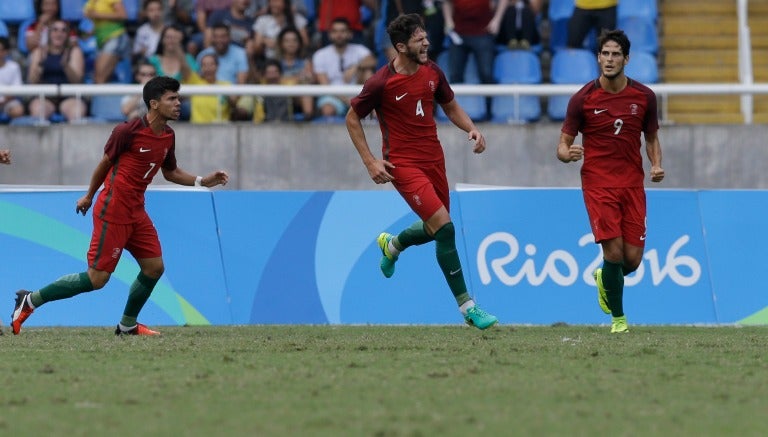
(276, 42)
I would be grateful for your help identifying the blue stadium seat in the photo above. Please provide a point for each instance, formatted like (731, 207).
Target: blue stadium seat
(643, 67)
(559, 13)
(72, 10)
(3, 29)
(474, 106)
(570, 66)
(646, 9)
(516, 67)
(21, 39)
(16, 11)
(106, 108)
(641, 33)
(123, 71)
(132, 9)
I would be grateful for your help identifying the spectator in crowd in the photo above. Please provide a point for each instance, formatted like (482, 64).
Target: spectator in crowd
(296, 68)
(180, 12)
(87, 42)
(267, 27)
(203, 10)
(209, 108)
(170, 59)
(36, 34)
(148, 34)
(235, 17)
(232, 60)
(57, 63)
(518, 25)
(108, 17)
(336, 64)
(133, 106)
(10, 74)
(589, 15)
(330, 10)
(472, 26)
(276, 108)
(431, 13)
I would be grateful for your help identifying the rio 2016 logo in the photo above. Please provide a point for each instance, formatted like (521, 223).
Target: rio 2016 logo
(562, 268)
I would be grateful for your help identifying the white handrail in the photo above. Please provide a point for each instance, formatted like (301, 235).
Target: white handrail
(745, 59)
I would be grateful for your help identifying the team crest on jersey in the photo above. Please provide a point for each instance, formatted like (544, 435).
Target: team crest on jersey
(633, 109)
(432, 85)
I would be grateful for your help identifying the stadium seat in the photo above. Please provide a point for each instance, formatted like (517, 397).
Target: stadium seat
(3, 29)
(643, 67)
(474, 106)
(516, 67)
(21, 38)
(559, 13)
(72, 10)
(106, 108)
(641, 33)
(132, 9)
(646, 9)
(123, 71)
(16, 11)
(570, 66)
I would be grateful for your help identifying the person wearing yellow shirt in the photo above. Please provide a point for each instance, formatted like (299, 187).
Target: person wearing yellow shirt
(108, 18)
(209, 108)
(588, 15)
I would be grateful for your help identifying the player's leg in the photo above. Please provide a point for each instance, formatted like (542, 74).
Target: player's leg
(392, 245)
(144, 245)
(107, 241)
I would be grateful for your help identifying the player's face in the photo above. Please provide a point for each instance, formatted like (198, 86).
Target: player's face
(611, 60)
(416, 49)
(169, 105)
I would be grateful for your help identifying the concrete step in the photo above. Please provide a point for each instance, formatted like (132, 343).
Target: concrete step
(683, 118)
(697, 74)
(698, 25)
(704, 104)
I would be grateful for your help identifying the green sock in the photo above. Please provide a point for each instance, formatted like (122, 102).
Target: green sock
(137, 297)
(448, 259)
(613, 281)
(62, 288)
(412, 236)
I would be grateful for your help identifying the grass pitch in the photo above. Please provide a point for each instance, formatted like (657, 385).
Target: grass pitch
(386, 381)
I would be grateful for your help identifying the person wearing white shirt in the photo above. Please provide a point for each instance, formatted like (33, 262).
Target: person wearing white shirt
(10, 74)
(148, 34)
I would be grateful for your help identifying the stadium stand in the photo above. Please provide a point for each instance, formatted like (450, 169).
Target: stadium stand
(72, 10)
(13, 12)
(516, 67)
(642, 33)
(106, 108)
(643, 67)
(475, 106)
(646, 9)
(3, 29)
(559, 13)
(570, 66)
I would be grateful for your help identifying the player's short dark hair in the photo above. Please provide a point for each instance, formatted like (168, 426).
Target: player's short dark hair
(618, 36)
(402, 28)
(157, 86)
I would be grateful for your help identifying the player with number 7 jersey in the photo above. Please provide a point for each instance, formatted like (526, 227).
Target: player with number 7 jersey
(133, 155)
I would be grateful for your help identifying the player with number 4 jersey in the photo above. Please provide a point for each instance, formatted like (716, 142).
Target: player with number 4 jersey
(612, 112)
(404, 94)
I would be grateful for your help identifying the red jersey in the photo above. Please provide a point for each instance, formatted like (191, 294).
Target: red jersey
(405, 106)
(471, 17)
(137, 154)
(611, 125)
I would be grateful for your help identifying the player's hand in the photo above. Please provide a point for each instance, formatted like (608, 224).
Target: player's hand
(657, 174)
(479, 141)
(83, 205)
(378, 170)
(574, 153)
(219, 177)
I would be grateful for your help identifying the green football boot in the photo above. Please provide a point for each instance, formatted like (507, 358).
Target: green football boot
(602, 297)
(479, 319)
(619, 325)
(387, 259)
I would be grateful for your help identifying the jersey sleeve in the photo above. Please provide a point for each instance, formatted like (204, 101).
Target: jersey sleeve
(651, 122)
(574, 115)
(170, 158)
(370, 96)
(118, 142)
(444, 92)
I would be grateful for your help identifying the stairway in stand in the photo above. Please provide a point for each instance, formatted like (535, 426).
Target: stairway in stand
(700, 41)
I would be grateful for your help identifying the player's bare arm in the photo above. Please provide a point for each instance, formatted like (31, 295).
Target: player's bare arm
(567, 151)
(181, 177)
(653, 149)
(97, 178)
(377, 168)
(460, 119)
(5, 156)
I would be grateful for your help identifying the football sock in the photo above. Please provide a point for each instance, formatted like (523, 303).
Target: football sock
(448, 259)
(414, 235)
(465, 306)
(613, 281)
(137, 296)
(62, 288)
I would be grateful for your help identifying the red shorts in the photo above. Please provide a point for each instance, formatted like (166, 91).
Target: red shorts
(425, 187)
(109, 239)
(617, 212)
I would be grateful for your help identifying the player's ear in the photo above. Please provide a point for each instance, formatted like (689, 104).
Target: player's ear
(153, 104)
(400, 47)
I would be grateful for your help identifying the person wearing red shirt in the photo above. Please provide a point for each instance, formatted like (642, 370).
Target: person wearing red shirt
(611, 113)
(135, 152)
(404, 94)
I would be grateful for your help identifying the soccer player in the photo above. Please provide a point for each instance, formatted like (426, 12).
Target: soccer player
(404, 94)
(133, 155)
(611, 113)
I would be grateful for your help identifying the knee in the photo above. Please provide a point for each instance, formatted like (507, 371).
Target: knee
(446, 233)
(155, 271)
(631, 265)
(98, 279)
